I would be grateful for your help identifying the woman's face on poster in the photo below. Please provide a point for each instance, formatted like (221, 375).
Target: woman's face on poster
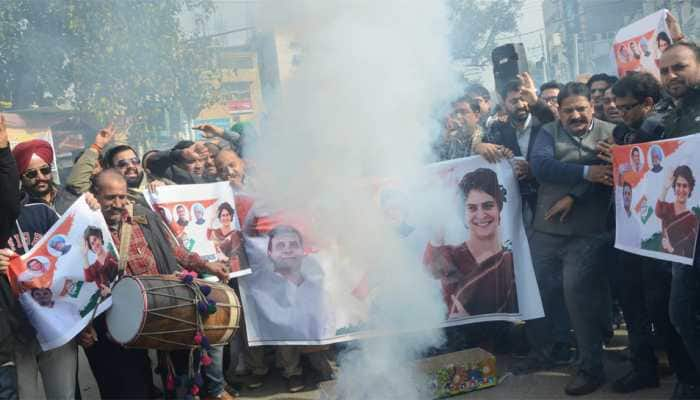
(663, 45)
(682, 189)
(482, 214)
(95, 244)
(225, 217)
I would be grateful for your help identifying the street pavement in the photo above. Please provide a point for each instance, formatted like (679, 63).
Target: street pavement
(542, 385)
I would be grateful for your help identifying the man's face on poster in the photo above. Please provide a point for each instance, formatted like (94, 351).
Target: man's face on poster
(655, 159)
(627, 196)
(181, 215)
(42, 297)
(682, 189)
(286, 251)
(35, 265)
(482, 215)
(636, 159)
(199, 213)
(58, 245)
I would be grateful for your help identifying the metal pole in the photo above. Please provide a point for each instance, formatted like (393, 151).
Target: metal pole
(546, 57)
(576, 61)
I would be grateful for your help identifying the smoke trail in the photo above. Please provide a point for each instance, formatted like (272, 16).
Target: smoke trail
(361, 105)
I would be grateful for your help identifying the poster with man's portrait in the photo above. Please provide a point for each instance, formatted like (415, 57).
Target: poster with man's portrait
(204, 220)
(656, 204)
(638, 47)
(65, 279)
(459, 222)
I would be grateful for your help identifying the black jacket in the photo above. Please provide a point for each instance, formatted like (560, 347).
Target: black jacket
(505, 134)
(9, 211)
(34, 220)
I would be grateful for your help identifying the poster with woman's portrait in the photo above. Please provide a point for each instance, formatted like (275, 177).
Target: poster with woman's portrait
(454, 230)
(204, 220)
(65, 279)
(657, 206)
(637, 47)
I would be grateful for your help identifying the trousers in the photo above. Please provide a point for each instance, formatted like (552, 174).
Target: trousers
(58, 368)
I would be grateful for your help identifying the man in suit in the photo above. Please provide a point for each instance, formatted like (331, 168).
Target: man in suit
(526, 116)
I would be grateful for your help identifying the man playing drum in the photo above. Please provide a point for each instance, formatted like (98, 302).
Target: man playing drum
(120, 372)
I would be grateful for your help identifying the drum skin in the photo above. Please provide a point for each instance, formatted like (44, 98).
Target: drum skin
(170, 315)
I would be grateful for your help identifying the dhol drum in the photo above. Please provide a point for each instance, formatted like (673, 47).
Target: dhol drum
(160, 312)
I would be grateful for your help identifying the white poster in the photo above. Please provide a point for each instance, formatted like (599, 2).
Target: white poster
(203, 218)
(638, 46)
(656, 204)
(476, 254)
(62, 278)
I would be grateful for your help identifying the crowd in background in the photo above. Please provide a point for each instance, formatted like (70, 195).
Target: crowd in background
(558, 138)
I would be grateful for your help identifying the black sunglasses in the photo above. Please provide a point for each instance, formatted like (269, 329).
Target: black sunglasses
(128, 161)
(33, 173)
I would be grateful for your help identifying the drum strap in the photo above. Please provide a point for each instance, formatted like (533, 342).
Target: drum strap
(125, 240)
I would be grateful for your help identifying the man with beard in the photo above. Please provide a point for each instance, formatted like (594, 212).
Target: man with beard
(566, 245)
(597, 85)
(644, 296)
(610, 111)
(679, 68)
(526, 116)
(124, 159)
(121, 372)
(34, 159)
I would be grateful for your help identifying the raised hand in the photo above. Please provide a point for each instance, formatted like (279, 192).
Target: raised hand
(210, 131)
(104, 136)
(528, 90)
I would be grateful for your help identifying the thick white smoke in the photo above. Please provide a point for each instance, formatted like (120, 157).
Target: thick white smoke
(362, 103)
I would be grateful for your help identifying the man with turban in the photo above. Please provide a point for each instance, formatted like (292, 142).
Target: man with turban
(34, 159)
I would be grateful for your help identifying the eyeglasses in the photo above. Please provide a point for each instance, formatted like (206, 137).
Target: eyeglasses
(128, 161)
(550, 99)
(627, 107)
(33, 173)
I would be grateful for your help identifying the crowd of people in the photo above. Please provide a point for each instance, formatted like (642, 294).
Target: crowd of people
(560, 144)
(559, 140)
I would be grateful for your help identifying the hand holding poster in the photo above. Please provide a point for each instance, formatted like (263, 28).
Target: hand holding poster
(476, 254)
(656, 206)
(61, 280)
(638, 46)
(204, 220)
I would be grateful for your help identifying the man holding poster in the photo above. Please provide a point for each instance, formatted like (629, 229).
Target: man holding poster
(646, 282)
(54, 315)
(638, 47)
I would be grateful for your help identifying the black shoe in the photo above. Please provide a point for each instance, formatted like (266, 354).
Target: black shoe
(684, 391)
(634, 381)
(255, 381)
(583, 383)
(295, 384)
(561, 354)
(534, 362)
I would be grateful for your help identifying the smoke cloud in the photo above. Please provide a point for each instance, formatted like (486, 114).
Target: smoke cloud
(361, 104)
